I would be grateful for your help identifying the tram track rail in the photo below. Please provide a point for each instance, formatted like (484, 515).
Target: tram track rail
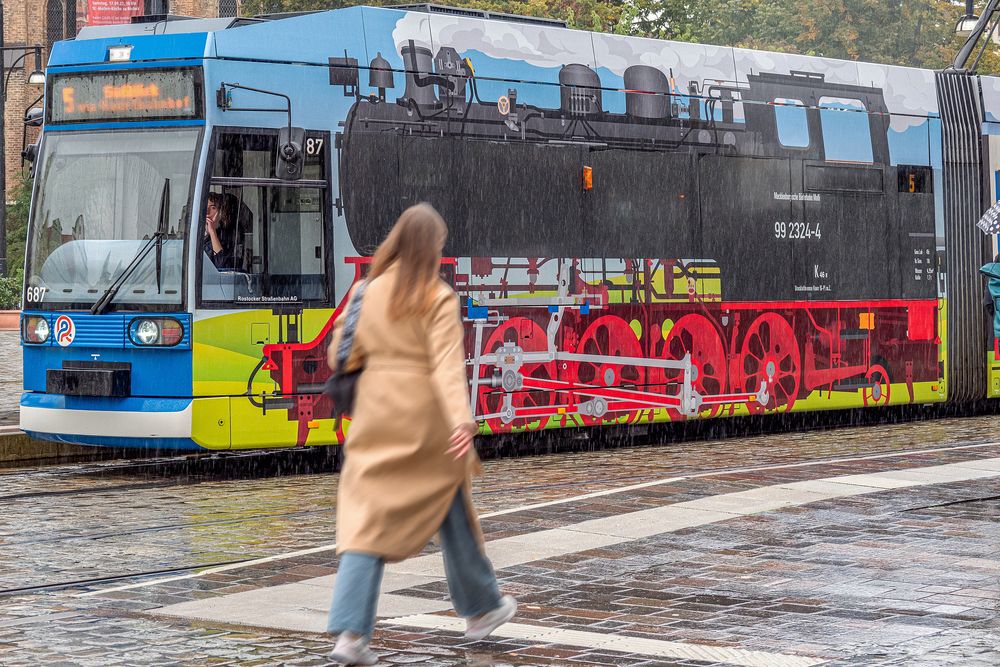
(623, 484)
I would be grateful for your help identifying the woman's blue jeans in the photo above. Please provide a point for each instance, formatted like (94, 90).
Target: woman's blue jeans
(471, 581)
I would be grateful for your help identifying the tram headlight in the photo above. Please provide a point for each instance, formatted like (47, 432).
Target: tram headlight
(160, 331)
(35, 329)
(147, 332)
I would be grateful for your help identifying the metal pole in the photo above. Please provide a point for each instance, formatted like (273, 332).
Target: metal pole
(3, 160)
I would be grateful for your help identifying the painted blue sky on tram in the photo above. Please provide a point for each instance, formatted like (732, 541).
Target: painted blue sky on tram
(502, 52)
(531, 56)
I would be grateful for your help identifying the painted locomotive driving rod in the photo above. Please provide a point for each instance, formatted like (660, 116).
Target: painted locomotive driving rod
(631, 399)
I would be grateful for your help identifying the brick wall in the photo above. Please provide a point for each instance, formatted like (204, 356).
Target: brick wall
(24, 23)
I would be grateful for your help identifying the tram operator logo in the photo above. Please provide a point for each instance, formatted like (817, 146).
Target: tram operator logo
(65, 331)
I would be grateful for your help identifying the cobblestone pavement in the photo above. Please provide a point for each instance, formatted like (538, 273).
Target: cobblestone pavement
(901, 576)
(10, 372)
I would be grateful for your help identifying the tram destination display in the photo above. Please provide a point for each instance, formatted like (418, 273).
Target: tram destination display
(125, 95)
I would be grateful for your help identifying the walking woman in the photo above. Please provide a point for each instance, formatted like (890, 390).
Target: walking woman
(409, 455)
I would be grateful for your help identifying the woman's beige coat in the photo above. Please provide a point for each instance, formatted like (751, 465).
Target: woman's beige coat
(398, 481)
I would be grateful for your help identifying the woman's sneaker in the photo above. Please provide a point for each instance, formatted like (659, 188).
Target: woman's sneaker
(352, 650)
(481, 626)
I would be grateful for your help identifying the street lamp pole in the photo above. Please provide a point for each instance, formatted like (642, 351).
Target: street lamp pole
(3, 155)
(975, 27)
(34, 78)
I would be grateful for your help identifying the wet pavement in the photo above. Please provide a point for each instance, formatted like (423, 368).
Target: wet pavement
(10, 373)
(894, 572)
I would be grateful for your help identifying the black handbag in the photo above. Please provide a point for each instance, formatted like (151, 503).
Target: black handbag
(341, 387)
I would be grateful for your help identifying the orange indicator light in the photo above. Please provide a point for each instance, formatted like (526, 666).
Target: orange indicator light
(588, 178)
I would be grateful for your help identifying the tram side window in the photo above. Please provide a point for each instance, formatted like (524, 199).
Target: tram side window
(251, 155)
(274, 252)
(846, 130)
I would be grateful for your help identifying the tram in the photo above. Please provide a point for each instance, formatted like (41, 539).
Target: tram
(640, 231)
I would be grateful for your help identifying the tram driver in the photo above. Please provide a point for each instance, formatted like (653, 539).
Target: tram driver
(227, 220)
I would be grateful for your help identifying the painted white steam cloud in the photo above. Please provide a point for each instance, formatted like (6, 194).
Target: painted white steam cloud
(909, 92)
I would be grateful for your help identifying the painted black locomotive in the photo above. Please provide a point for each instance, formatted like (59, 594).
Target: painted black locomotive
(678, 174)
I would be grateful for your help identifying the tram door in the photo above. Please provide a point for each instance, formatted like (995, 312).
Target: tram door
(265, 293)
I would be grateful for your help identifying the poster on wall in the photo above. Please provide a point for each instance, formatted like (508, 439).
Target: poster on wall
(111, 12)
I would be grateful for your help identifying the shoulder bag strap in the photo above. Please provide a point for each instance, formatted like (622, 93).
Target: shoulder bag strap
(350, 324)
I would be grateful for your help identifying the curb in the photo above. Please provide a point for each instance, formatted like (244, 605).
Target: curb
(17, 449)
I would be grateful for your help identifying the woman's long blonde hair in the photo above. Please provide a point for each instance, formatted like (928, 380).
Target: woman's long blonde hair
(414, 246)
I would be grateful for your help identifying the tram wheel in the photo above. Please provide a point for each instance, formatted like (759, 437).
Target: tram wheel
(530, 337)
(876, 394)
(608, 337)
(694, 334)
(769, 354)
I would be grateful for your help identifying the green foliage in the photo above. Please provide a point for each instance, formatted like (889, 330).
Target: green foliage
(10, 289)
(19, 199)
(600, 15)
(915, 33)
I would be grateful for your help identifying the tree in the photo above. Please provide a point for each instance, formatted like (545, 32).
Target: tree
(915, 33)
(11, 285)
(599, 15)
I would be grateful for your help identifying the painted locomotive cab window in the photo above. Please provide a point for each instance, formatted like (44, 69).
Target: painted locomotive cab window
(792, 122)
(846, 130)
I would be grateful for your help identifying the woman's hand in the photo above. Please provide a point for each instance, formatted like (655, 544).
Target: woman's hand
(461, 440)
(211, 230)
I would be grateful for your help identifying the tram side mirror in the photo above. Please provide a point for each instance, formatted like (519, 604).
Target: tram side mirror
(34, 117)
(30, 153)
(291, 160)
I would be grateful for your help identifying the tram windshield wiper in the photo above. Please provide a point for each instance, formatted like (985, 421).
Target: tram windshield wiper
(109, 295)
(161, 229)
(102, 304)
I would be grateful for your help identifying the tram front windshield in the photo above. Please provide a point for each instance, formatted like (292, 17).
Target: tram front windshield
(98, 203)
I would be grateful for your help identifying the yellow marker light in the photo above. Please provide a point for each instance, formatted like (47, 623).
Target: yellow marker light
(313, 424)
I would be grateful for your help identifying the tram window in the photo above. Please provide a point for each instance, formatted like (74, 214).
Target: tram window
(846, 130)
(250, 155)
(278, 246)
(792, 123)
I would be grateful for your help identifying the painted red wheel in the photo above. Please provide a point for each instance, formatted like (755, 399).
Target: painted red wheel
(530, 337)
(608, 337)
(769, 354)
(876, 394)
(694, 334)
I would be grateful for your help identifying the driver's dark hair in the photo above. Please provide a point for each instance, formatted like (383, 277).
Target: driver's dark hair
(220, 202)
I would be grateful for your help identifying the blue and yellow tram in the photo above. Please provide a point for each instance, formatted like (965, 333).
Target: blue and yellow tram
(641, 231)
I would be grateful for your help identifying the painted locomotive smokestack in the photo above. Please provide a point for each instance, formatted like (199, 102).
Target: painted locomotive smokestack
(653, 102)
(380, 75)
(418, 64)
(580, 90)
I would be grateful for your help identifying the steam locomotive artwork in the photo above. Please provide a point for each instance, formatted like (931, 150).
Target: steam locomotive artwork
(639, 230)
(741, 268)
